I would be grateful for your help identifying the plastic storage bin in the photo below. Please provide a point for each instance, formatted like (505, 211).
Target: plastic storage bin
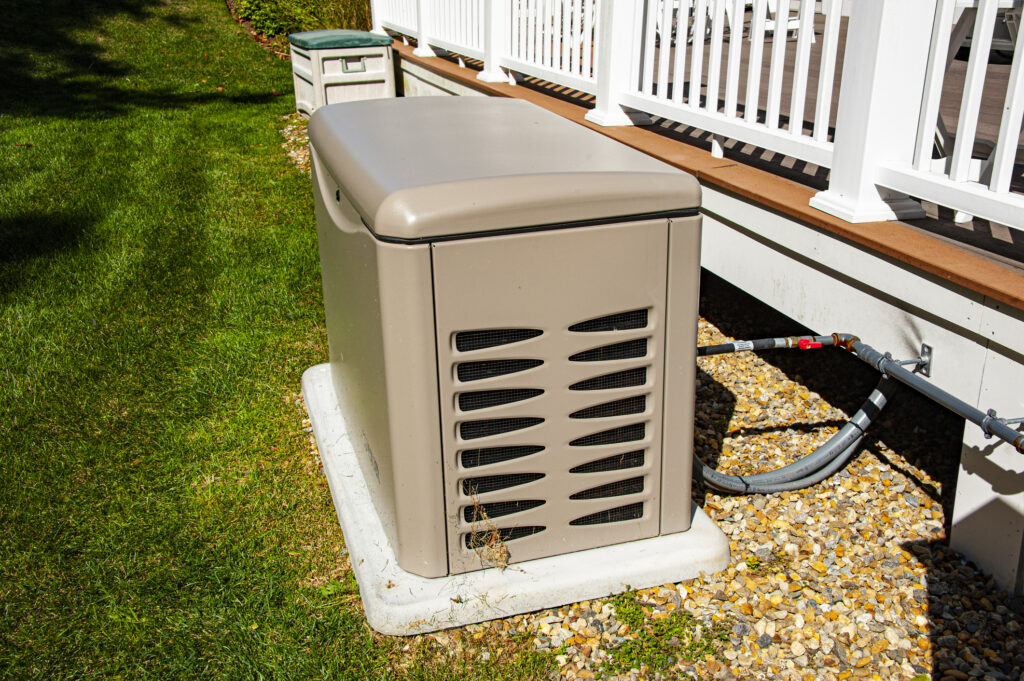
(511, 304)
(340, 66)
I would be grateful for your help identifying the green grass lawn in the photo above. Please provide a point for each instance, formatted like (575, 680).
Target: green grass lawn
(161, 511)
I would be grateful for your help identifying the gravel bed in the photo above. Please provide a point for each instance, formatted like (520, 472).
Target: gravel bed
(851, 578)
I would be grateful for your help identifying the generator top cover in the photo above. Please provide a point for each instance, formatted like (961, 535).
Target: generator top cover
(426, 168)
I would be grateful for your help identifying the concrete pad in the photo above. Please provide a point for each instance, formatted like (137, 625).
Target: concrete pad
(401, 603)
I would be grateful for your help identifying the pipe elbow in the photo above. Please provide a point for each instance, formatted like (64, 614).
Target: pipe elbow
(844, 341)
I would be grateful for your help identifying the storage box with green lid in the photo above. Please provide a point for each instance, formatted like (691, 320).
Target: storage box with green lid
(340, 66)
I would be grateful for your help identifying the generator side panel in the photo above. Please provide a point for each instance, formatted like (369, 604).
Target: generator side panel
(379, 314)
(680, 372)
(550, 363)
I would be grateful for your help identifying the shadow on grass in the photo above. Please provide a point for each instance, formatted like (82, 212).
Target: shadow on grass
(29, 241)
(48, 68)
(31, 235)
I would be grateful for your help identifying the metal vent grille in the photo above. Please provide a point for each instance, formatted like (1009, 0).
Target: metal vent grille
(613, 515)
(618, 462)
(492, 483)
(619, 488)
(622, 321)
(502, 535)
(482, 512)
(471, 458)
(467, 341)
(551, 389)
(475, 371)
(474, 430)
(623, 407)
(484, 399)
(606, 353)
(630, 433)
(629, 378)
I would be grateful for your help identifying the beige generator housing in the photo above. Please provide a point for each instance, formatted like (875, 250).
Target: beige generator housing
(511, 305)
(333, 66)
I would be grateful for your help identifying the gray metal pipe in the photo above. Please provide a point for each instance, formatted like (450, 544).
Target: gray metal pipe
(989, 423)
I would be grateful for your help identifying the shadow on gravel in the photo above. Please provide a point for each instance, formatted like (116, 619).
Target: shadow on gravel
(975, 628)
(713, 408)
(48, 69)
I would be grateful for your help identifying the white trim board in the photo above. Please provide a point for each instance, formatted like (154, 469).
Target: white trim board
(401, 603)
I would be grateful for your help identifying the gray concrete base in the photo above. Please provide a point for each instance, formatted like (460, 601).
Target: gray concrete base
(401, 603)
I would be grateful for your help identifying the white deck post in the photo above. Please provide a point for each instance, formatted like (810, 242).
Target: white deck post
(618, 44)
(375, 17)
(879, 105)
(422, 18)
(495, 32)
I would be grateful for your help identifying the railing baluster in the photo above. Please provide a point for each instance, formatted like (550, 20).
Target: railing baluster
(531, 30)
(801, 68)
(665, 47)
(715, 55)
(549, 12)
(753, 99)
(732, 76)
(520, 29)
(590, 9)
(576, 33)
(970, 105)
(564, 42)
(700, 14)
(682, 25)
(827, 72)
(650, 28)
(777, 72)
(1009, 127)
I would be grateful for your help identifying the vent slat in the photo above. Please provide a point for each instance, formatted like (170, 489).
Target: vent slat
(473, 430)
(476, 371)
(619, 488)
(468, 341)
(488, 538)
(479, 513)
(483, 399)
(492, 483)
(623, 407)
(606, 353)
(621, 321)
(472, 458)
(630, 433)
(620, 379)
(618, 462)
(612, 515)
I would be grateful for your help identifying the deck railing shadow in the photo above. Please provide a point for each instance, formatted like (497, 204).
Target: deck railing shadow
(49, 68)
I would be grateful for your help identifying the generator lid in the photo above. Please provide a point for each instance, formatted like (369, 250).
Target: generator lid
(422, 168)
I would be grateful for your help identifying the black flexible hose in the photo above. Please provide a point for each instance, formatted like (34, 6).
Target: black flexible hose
(812, 469)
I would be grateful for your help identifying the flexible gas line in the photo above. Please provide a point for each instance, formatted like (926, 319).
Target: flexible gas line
(831, 456)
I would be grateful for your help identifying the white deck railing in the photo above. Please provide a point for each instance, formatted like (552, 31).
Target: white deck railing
(763, 72)
(681, 51)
